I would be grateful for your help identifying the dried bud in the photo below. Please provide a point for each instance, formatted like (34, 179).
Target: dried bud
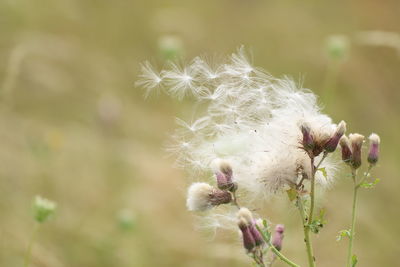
(248, 240)
(223, 172)
(308, 140)
(333, 141)
(373, 153)
(202, 196)
(43, 209)
(356, 141)
(277, 238)
(346, 150)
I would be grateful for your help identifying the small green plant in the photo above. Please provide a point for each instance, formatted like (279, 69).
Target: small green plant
(43, 210)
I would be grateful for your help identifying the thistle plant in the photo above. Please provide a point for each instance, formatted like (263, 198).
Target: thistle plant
(257, 136)
(43, 210)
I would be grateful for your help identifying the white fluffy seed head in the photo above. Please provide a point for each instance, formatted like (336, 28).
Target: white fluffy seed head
(374, 139)
(251, 120)
(198, 197)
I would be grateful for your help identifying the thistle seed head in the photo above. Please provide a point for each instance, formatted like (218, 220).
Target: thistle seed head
(202, 196)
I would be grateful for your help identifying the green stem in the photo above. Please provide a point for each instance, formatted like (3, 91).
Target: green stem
(275, 251)
(30, 245)
(353, 213)
(312, 193)
(306, 229)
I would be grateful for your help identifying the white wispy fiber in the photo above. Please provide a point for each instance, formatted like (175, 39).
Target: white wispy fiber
(249, 119)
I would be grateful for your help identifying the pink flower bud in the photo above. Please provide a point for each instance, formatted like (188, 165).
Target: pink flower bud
(332, 143)
(256, 235)
(373, 154)
(356, 141)
(277, 238)
(308, 140)
(346, 150)
(248, 240)
(223, 172)
(218, 197)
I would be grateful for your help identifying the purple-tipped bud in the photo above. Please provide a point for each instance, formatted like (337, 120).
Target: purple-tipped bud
(277, 238)
(333, 141)
(218, 197)
(373, 153)
(308, 140)
(346, 150)
(223, 172)
(248, 240)
(256, 234)
(356, 141)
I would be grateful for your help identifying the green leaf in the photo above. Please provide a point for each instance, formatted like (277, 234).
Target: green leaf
(342, 234)
(318, 223)
(354, 260)
(323, 171)
(265, 223)
(370, 185)
(292, 194)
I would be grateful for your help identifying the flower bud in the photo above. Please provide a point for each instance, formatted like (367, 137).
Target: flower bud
(356, 141)
(245, 215)
(308, 140)
(256, 234)
(248, 240)
(202, 196)
(346, 150)
(332, 143)
(373, 153)
(223, 172)
(277, 238)
(43, 209)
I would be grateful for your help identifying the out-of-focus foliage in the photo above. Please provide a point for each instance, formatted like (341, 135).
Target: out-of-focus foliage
(74, 129)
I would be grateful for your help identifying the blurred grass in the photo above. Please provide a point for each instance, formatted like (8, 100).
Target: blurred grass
(74, 129)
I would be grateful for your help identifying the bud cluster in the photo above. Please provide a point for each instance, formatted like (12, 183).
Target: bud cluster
(351, 149)
(314, 143)
(251, 236)
(202, 196)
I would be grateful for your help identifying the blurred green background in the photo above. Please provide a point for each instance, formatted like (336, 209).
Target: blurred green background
(74, 129)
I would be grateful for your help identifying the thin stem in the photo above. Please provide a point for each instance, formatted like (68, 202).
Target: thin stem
(353, 213)
(306, 229)
(312, 193)
(30, 245)
(353, 218)
(234, 200)
(275, 251)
